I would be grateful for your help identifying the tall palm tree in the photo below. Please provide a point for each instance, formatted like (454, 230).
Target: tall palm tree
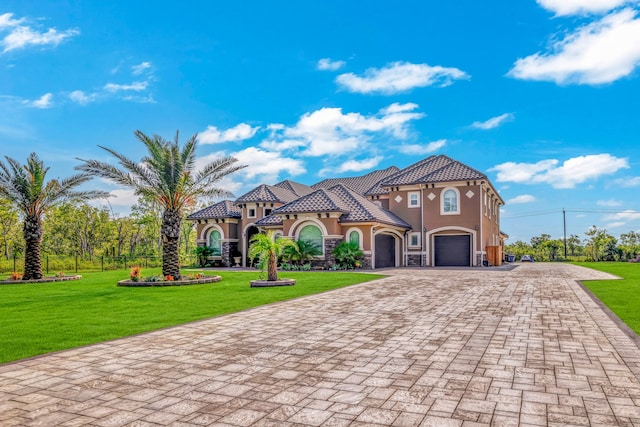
(25, 187)
(167, 176)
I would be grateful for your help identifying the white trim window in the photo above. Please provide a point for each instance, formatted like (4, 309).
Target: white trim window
(251, 212)
(215, 242)
(311, 233)
(450, 201)
(414, 239)
(413, 199)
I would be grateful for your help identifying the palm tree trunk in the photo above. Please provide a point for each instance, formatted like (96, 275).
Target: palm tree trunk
(272, 267)
(170, 231)
(32, 232)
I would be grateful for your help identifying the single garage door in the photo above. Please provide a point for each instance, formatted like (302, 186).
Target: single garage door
(452, 251)
(385, 251)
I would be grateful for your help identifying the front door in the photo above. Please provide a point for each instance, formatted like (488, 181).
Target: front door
(385, 251)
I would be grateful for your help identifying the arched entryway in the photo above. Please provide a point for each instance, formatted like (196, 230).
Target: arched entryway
(385, 251)
(249, 233)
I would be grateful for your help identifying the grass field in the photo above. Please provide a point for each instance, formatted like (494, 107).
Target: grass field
(621, 296)
(45, 317)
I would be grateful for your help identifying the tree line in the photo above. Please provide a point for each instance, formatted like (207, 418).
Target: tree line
(165, 179)
(597, 245)
(80, 229)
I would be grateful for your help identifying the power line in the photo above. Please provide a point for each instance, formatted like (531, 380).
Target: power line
(554, 211)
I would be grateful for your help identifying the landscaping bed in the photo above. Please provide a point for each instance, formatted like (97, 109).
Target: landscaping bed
(46, 279)
(181, 282)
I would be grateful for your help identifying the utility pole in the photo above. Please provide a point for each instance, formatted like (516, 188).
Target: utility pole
(564, 221)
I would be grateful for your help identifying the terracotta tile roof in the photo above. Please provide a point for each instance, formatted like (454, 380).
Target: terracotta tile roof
(339, 198)
(360, 184)
(433, 169)
(267, 193)
(224, 209)
(364, 210)
(295, 187)
(320, 200)
(270, 220)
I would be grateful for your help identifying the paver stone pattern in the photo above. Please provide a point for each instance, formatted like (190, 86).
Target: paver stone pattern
(422, 347)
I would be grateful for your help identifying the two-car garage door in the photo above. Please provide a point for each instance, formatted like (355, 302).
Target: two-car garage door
(452, 250)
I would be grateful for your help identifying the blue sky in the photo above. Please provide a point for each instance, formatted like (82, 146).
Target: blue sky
(541, 95)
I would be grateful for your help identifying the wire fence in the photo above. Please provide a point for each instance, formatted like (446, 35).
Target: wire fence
(60, 263)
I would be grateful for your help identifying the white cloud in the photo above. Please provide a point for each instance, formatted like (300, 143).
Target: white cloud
(45, 101)
(580, 7)
(123, 197)
(599, 52)
(262, 166)
(135, 86)
(400, 77)
(524, 198)
(420, 149)
(620, 219)
(628, 182)
(212, 135)
(574, 171)
(81, 98)
(359, 165)
(6, 21)
(493, 122)
(21, 36)
(609, 203)
(329, 64)
(267, 164)
(140, 68)
(329, 131)
(276, 144)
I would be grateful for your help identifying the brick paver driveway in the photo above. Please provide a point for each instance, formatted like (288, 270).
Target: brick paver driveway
(421, 347)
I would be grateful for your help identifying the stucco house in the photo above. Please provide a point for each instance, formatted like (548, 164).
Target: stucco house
(436, 212)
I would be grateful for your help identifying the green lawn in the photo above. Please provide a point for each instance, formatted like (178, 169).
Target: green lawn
(621, 296)
(46, 317)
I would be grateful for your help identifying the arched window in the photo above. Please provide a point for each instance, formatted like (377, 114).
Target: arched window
(450, 201)
(354, 237)
(312, 234)
(215, 242)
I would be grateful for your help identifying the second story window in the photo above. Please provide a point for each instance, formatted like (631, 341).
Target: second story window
(450, 202)
(251, 213)
(414, 199)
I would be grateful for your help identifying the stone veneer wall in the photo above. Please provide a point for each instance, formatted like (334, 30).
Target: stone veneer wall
(228, 249)
(366, 261)
(413, 260)
(329, 245)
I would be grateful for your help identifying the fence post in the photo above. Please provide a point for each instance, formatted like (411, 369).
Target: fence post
(47, 263)
(76, 263)
(102, 263)
(146, 261)
(14, 262)
(124, 262)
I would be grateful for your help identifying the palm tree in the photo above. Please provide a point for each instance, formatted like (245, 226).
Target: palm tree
(166, 175)
(348, 254)
(301, 252)
(25, 187)
(268, 249)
